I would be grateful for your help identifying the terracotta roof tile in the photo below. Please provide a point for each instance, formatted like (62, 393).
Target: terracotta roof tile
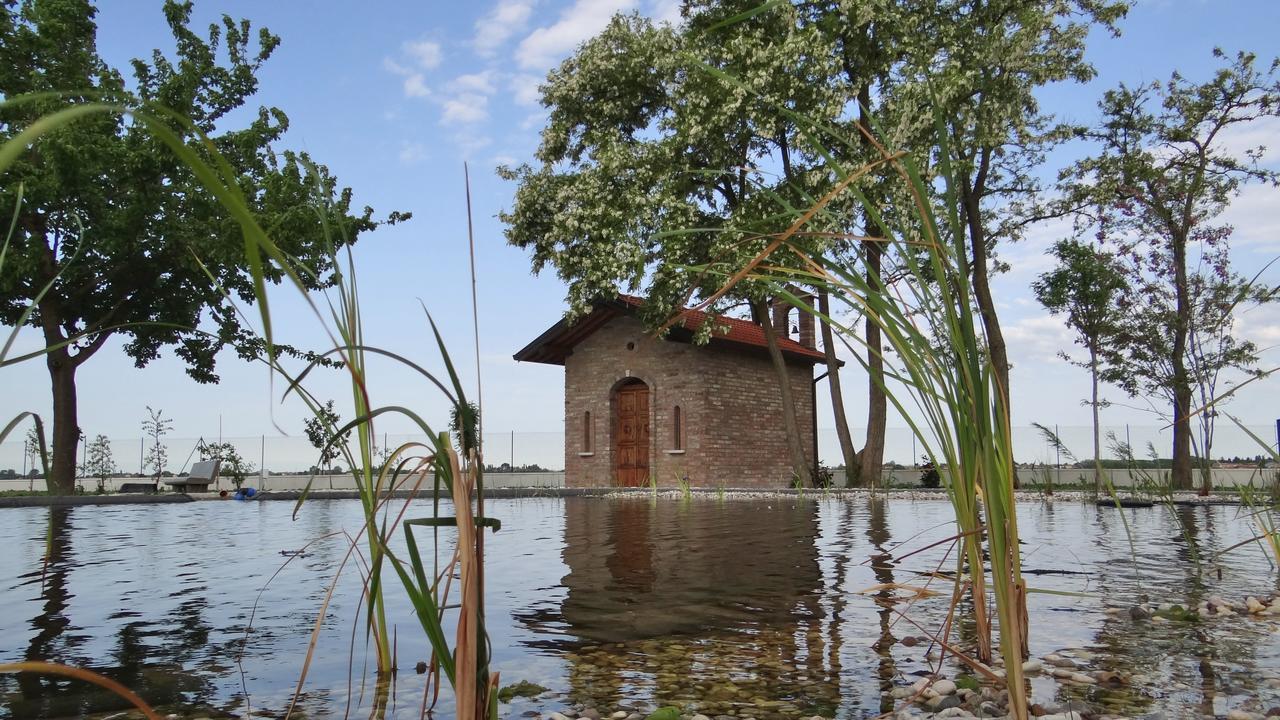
(743, 332)
(552, 345)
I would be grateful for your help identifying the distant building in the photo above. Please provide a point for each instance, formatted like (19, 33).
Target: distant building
(638, 407)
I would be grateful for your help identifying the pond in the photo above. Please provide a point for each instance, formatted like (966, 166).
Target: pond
(769, 607)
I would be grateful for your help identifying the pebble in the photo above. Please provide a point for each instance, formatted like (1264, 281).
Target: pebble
(1032, 666)
(620, 715)
(944, 687)
(701, 717)
(1239, 714)
(557, 716)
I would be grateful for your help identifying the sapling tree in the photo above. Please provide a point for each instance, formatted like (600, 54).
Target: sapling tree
(321, 428)
(156, 426)
(231, 463)
(1084, 287)
(99, 462)
(120, 229)
(1165, 169)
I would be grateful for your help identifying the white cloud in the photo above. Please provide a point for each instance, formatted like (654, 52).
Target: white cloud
(1254, 217)
(425, 52)
(545, 46)
(481, 82)
(507, 160)
(412, 152)
(524, 88)
(665, 11)
(415, 83)
(505, 20)
(1037, 339)
(465, 108)
(416, 86)
(468, 144)
(1264, 132)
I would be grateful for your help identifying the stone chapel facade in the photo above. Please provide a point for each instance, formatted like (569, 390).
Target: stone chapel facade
(637, 406)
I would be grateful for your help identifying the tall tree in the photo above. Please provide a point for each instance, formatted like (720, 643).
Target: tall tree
(1165, 169)
(979, 64)
(1085, 287)
(650, 165)
(115, 222)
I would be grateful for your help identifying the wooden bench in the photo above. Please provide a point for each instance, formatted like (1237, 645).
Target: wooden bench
(202, 475)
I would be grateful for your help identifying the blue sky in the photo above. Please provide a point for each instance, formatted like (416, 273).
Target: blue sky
(395, 96)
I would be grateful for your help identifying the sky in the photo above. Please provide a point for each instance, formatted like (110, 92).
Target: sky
(395, 96)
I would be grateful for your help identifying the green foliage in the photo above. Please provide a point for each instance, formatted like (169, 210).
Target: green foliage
(232, 464)
(648, 165)
(99, 462)
(1163, 173)
(664, 713)
(1084, 286)
(929, 476)
(156, 426)
(321, 430)
(464, 425)
(115, 225)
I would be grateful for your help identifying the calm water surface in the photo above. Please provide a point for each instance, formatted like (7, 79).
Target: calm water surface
(776, 604)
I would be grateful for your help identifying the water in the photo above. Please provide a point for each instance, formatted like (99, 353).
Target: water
(780, 606)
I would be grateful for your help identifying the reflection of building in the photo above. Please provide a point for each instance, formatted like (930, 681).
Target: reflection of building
(637, 406)
(695, 602)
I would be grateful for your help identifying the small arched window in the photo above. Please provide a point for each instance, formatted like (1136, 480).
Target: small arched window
(677, 428)
(586, 431)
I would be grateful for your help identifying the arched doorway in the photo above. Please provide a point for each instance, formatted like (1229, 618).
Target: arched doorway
(631, 434)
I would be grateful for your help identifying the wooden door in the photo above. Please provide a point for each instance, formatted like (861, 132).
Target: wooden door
(631, 433)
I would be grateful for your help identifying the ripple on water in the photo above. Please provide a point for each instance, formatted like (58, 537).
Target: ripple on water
(777, 607)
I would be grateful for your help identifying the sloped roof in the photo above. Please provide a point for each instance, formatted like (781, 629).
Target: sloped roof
(554, 345)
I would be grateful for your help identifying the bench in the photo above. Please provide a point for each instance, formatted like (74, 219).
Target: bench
(202, 475)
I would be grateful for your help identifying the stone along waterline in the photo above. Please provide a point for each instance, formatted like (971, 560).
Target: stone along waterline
(775, 607)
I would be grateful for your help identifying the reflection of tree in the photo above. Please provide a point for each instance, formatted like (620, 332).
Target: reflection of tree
(50, 624)
(882, 568)
(672, 596)
(1211, 657)
(160, 660)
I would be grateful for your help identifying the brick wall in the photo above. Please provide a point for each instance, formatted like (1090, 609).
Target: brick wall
(732, 419)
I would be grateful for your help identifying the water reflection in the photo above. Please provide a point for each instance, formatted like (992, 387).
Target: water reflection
(696, 602)
(757, 608)
(147, 656)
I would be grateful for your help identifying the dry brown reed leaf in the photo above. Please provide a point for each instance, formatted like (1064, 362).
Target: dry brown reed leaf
(44, 668)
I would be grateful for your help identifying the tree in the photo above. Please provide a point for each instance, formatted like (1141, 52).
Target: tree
(232, 464)
(651, 164)
(321, 430)
(116, 222)
(99, 462)
(978, 65)
(1085, 286)
(1163, 171)
(31, 448)
(156, 426)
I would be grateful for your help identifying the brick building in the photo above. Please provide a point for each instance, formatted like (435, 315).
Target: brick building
(637, 406)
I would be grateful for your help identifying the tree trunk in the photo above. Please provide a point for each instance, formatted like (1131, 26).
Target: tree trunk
(837, 395)
(871, 459)
(1180, 478)
(1097, 442)
(795, 446)
(66, 429)
(996, 348)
